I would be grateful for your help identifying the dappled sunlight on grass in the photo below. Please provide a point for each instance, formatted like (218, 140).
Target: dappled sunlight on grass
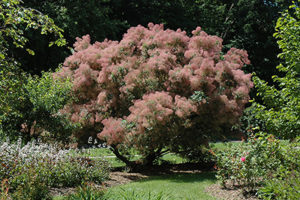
(178, 186)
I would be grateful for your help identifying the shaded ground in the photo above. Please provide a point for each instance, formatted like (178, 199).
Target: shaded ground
(118, 176)
(121, 178)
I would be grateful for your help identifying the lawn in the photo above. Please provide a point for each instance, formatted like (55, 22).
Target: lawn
(186, 186)
(99, 153)
(180, 186)
(183, 186)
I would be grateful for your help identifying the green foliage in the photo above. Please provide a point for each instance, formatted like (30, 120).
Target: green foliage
(31, 188)
(16, 104)
(15, 18)
(4, 188)
(249, 123)
(76, 18)
(264, 165)
(246, 24)
(285, 184)
(47, 96)
(250, 163)
(32, 169)
(281, 111)
(47, 93)
(128, 194)
(35, 109)
(86, 192)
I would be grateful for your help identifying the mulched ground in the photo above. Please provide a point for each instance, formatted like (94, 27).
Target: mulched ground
(121, 178)
(227, 194)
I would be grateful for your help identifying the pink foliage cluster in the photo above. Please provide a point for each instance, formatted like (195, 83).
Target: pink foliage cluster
(148, 78)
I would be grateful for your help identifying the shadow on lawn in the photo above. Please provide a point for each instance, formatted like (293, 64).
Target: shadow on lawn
(183, 177)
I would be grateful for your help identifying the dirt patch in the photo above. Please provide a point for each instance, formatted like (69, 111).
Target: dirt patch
(120, 178)
(227, 194)
(61, 191)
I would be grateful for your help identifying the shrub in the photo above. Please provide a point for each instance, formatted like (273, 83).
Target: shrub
(32, 187)
(285, 184)
(263, 165)
(16, 107)
(249, 164)
(39, 165)
(37, 115)
(156, 89)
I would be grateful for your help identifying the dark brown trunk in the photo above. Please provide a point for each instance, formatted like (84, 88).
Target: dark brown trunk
(128, 163)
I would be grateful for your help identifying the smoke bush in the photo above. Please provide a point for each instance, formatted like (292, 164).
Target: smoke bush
(156, 88)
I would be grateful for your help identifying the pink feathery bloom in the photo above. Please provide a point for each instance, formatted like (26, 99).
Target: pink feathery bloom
(243, 159)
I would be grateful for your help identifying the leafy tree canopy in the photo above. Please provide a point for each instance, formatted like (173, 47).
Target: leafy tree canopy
(281, 109)
(15, 19)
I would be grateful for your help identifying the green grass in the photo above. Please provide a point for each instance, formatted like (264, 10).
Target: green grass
(177, 186)
(173, 158)
(99, 153)
(222, 146)
(107, 154)
(95, 152)
(182, 186)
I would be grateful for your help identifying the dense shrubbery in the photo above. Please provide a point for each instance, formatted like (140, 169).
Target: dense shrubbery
(261, 164)
(285, 184)
(32, 109)
(156, 89)
(31, 169)
(249, 163)
(27, 104)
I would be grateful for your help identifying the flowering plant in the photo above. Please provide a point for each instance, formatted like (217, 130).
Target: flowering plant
(156, 89)
(43, 164)
(250, 163)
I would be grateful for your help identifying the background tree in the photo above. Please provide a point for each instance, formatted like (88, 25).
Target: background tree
(281, 108)
(246, 24)
(18, 107)
(76, 18)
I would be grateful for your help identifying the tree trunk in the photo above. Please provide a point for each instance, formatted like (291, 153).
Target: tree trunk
(128, 163)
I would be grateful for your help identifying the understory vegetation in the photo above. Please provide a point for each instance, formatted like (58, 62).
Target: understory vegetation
(28, 172)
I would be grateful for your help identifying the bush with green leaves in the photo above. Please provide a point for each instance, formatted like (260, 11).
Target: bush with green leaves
(37, 115)
(15, 104)
(285, 183)
(281, 105)
(250, 163)
(36, 166)
(47, 96)
(264, 165)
